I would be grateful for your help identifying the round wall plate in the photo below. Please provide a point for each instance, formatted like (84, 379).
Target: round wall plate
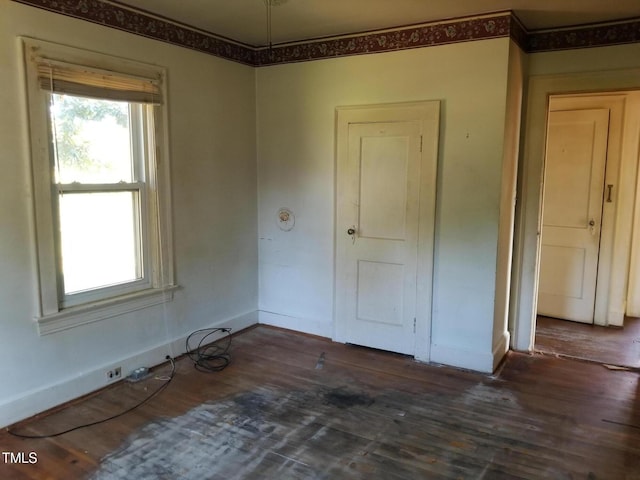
(285, 219)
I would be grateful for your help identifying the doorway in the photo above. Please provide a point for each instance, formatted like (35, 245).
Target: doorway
(579, 205)
(527, 246)
(583, 261)
(385, 220)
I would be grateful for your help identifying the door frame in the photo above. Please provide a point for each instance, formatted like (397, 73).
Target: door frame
(615, 103)
(523, 304)
(428, 114)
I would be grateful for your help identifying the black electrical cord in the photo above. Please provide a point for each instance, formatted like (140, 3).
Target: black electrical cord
(214, 356)
(155, 392)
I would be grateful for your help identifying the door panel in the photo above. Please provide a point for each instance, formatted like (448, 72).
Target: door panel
(563, 273)
(383, 187)
(383, 178)
(572, 213)
(380, 292)
(570, 168)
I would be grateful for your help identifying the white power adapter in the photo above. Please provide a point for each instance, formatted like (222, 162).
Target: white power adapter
(138, 374)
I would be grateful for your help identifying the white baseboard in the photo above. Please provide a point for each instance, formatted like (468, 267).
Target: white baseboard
(304, 325)
(458, 357)
(500, 349)
(38, 400)
(615, 318)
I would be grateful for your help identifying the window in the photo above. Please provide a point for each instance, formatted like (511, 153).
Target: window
(101, 191)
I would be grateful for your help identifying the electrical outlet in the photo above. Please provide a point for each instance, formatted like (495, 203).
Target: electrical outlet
(114, 374)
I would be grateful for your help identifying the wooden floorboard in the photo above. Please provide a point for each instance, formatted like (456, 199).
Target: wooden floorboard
(611, 345)
(278, 412)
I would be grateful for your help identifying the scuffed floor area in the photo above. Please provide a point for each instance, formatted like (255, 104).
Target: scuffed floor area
(292, 406)
(610, 345)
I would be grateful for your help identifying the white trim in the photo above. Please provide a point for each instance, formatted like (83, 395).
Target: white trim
(501, 348)
(38, 400)
(96, 311)
(71, 188)
(620, 302)
(472, 360)
(428, 114)
(469, 359)
(508, 195)
(57, 311)
(35, 49)
(615, 104)
(305, 325)
(527, 241)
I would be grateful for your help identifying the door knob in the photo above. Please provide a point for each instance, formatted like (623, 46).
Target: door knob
(592, 222)
(351, 231)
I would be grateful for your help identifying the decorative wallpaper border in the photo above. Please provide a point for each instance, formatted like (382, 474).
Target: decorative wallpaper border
(452, 31)
(504, 24)
(585, 37)
(138, 23)
(518, 32)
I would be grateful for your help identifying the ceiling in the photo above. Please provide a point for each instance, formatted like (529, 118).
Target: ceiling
(295, 20)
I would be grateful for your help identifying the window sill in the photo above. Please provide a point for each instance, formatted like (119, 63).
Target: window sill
(96, 311)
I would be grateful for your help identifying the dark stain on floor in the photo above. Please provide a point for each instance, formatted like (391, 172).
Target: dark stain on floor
(345, 398)
(326, 433)
(252, 403)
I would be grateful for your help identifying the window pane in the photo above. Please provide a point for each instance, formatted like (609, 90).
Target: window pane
(99, 239)
(92, 140)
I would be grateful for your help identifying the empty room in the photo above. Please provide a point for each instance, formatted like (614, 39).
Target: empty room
(305, 239)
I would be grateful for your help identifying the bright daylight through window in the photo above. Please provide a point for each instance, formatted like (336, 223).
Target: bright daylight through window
(100, 182)
(99, 177)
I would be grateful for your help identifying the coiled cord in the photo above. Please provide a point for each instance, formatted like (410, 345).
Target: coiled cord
(213, 357)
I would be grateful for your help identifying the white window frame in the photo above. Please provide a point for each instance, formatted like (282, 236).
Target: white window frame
(57, 311)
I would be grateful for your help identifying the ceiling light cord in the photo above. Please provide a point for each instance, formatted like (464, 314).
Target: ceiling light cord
(269, 4)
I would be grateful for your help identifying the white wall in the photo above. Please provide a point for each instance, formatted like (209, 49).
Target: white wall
(212, 140)
(597, 59)
(296, 131)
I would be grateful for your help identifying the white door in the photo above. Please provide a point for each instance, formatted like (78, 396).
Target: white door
(385, 170)
(572, 213)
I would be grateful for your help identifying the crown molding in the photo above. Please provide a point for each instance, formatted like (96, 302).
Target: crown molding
(498, 25)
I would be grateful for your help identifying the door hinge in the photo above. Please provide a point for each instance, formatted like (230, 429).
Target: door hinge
(414, 325)
(420, 143)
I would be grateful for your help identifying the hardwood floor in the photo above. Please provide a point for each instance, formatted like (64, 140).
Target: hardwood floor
(615, 346)
(292, 406)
